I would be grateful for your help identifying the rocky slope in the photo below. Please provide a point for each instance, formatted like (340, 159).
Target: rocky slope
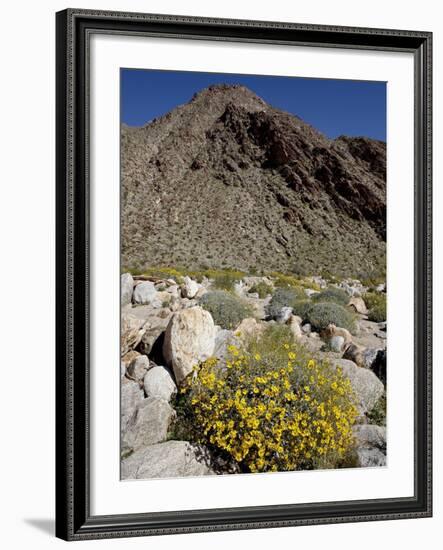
(226, 180)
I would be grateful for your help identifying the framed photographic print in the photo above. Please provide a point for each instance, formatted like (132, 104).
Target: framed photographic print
(243, 274)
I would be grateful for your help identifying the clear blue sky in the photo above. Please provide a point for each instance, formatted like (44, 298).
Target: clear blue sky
(335, 107)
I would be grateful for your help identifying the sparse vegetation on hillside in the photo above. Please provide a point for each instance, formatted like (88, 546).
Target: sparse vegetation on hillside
(243, 204)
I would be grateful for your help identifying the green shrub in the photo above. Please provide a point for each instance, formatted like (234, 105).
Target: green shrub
(226, 309)
(377, 313)
(324, 313)
(332, 294)
(301, 308)
(285, 297)
(262, 289)
(376, 304)
(271, 408)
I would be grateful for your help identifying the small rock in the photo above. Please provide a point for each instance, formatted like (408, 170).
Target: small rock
(173, 290)
(249, 328)
(138, 368)
(144, 293)
(129, 357)
(355, 353)
(369, 355)
(358, 305)
(306, 328)
(336, 343)
(169, 459)
(126, 285)
(158, 382)
(310, 292)
(331, 330)
(284, 315)
(189, 288)
(294, 324)
(162, 299)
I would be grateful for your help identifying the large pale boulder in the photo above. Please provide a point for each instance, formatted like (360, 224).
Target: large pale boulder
(158, 382)
(169, 459)
(189, 288)
(367, 387)
(144, 293)
(126, 287)
(149, 425)
(189, 339)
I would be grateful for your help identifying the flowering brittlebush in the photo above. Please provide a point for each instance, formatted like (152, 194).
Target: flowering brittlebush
(272, 409)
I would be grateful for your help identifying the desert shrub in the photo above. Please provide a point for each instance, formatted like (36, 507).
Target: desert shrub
(134, 270)
(332, 294)
(272, 407)
(377, 313)
(285, 297)
(376, 304)
(262, 289)
(226, 309)
(284, 281)
(320, 315)
(301, 308)
(165, 273)
(223, 279)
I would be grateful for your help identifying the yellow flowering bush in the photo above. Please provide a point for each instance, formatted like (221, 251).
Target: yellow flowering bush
(270, 407)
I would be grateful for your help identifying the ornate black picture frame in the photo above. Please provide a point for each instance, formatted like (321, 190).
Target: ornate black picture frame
(74, 520)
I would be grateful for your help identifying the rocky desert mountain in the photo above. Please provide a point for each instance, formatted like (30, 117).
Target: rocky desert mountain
(227, 180)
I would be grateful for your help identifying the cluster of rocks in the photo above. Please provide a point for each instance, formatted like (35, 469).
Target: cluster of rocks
(164, 333)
